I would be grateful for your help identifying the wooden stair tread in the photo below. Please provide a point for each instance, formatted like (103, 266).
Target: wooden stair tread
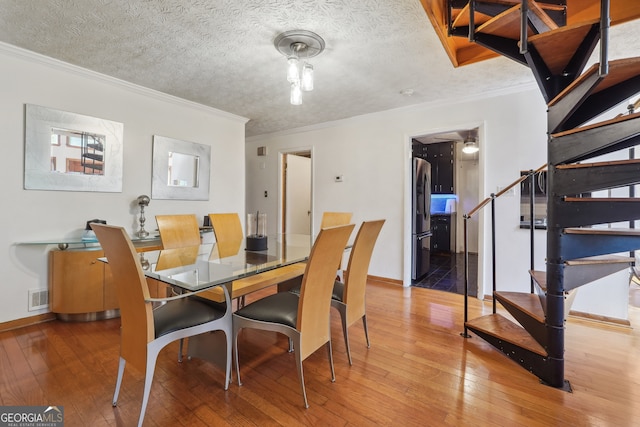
(505, 24)
(619, 71)
(527, 302)
(558, 47)
(540, 277)
(539, 10)
(613, 121)
(463, 52)
(599, 164)
(508, 23)
(600, 259)
(500, 327)
(604, 231)
(460, 50)
(461, 19)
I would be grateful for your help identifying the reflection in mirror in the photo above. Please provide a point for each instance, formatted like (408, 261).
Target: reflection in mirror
(65, 151)
(76, 152)
(183, 170)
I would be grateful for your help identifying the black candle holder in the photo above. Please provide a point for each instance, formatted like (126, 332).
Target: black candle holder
(256, 243)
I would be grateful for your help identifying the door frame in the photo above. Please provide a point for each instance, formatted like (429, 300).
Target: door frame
(408, 196)
(282, 183)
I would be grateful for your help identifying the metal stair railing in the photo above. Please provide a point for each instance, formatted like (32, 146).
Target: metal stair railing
(531, 175)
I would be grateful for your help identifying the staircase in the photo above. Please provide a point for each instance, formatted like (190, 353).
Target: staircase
(555, 39)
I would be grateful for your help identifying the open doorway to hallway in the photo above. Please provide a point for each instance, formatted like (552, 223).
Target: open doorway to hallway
(295, 207)
(455, 188)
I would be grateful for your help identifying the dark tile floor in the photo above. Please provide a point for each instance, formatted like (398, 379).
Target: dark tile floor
(447, 274)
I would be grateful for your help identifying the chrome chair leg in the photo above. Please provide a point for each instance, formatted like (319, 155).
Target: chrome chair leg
(300, 371)
(180, 350)
(121, 365)
(333, 372)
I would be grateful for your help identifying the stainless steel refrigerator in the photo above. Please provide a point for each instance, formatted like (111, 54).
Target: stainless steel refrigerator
(421, 218)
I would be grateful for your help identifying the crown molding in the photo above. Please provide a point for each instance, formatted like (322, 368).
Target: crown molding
(443, 103)
(40, 59)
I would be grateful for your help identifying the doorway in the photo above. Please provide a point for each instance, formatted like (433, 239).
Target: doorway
(460, 170)
(295, 208)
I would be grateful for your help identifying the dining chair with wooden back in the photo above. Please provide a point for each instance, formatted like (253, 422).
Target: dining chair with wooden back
(303, 318)
(332, 219)
(348, 297)
(329, 219)
(146, 331)
(178, 231)
(226, 227)
(228, 231)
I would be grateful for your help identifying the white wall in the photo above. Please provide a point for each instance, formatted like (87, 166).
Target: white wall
(609, 296)
(373, 153)
(29, 215)
(468, 192)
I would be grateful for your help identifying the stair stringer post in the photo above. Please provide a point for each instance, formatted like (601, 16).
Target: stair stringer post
(555, 288)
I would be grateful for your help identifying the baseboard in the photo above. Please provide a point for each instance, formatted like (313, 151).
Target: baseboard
(26, 321)
(586, 316)
(384, 280)
(600, 319)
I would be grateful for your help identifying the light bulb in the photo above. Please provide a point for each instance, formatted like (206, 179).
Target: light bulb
(470, 148)
(307, 77)
(293, 75)
(296, 93)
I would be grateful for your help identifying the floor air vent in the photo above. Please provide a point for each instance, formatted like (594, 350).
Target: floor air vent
(38, 299)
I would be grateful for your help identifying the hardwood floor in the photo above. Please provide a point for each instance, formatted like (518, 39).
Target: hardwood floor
(418, 372)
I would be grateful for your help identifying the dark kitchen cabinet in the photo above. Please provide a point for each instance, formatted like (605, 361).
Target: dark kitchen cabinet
(440, 155)
(442, 233)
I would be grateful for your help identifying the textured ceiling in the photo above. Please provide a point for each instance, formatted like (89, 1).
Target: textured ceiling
(220, 53)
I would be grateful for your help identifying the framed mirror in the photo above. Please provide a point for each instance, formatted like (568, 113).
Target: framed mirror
(180, 169)
(71, 152)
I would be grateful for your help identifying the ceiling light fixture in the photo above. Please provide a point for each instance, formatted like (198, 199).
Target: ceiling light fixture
(295, 45)
(470, 146)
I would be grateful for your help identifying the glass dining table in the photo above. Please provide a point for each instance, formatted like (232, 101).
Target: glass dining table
(198, 268)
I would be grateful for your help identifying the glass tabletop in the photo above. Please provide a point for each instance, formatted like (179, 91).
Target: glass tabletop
(201, 267)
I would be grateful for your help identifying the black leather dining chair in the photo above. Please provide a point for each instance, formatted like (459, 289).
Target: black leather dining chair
(304, 318)
(146, 331)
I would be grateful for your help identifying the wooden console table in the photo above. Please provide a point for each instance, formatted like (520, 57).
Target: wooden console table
(80, 287)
